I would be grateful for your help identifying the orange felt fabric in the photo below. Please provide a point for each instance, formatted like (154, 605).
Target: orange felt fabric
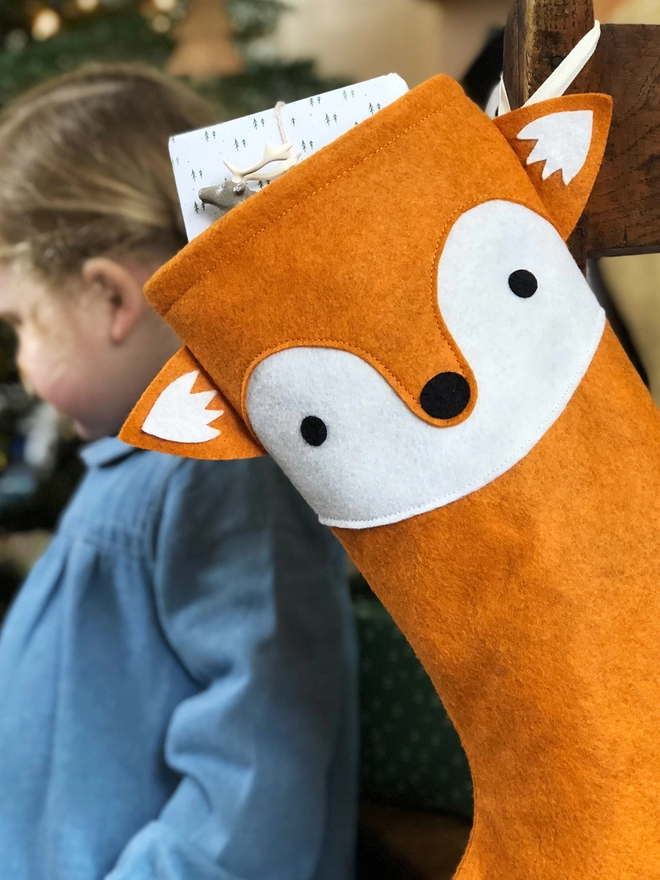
(534, 604)
(234, 440)
(565, 202)
(358, 225)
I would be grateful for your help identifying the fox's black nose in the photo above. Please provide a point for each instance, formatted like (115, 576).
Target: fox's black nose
(445, 396)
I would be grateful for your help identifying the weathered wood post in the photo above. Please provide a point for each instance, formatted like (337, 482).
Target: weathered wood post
(623, 213)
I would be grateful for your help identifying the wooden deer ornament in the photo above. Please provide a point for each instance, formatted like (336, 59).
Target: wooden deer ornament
(232, 192)
(420, 353)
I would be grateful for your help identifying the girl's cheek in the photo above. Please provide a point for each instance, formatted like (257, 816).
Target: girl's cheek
(38, 372)
(24, 362)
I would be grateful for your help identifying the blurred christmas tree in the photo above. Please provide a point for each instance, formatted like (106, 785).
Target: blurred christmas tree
(40, 41)
(209, 43)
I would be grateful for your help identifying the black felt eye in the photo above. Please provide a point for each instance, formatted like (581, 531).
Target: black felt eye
(313, 430)
(523, 283)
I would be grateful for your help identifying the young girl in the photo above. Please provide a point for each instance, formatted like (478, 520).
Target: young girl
(177, 675)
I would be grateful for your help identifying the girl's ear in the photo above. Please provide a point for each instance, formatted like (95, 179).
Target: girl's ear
(122, 289)
(561, 143)
(182, 413)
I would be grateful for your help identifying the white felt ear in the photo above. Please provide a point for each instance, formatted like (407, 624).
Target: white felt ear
(180, 415)
(562, 140)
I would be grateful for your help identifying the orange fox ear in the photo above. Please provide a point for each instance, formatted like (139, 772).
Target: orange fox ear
(182, 413)
(560, 143)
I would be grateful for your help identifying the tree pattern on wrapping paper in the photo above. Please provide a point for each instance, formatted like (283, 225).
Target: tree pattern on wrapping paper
(316, 123)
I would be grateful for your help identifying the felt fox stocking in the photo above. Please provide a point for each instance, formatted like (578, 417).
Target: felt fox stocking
(399, 323)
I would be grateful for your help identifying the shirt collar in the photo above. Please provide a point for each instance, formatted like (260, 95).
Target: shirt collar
(105, 451)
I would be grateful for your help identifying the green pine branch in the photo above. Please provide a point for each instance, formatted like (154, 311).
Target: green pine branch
(121, 35)
(254, 18)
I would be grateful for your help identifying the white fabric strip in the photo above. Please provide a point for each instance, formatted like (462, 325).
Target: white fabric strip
(568, 71)
(561, 78)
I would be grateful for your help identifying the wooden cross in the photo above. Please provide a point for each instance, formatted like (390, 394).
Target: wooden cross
(623, 213)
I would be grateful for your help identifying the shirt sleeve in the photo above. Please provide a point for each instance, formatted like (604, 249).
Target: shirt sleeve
(251, 596)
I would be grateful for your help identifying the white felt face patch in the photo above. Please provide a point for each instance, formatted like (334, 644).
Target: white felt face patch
(528, 325)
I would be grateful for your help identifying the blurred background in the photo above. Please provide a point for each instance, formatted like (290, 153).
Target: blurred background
(245, 55)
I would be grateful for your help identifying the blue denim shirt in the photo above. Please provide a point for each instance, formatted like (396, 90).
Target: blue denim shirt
(177, 683)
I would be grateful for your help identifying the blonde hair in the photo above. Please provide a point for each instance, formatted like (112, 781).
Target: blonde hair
(85, 170)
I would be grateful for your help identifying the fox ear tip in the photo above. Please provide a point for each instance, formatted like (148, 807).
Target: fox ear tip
(173, 416)
(131, 434)
(566, 134)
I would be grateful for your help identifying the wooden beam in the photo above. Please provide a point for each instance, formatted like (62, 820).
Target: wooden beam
(538, 36)
(624, 209)
(623, 213)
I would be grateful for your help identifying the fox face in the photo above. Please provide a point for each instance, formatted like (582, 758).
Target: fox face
(528, 325)
(394, 343)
